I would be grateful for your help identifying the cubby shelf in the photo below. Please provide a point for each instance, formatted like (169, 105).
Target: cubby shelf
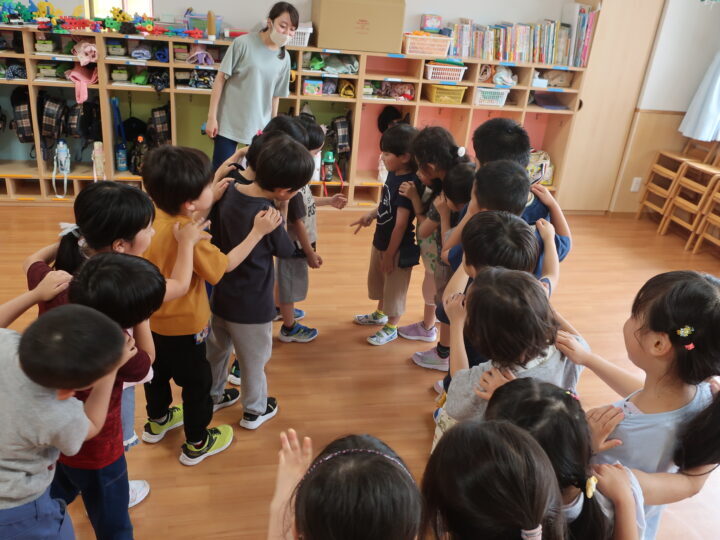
(29, 181)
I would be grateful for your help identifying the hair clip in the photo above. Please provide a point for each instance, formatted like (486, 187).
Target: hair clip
(461, 151)
(685, 331)
(531, 534)
(259, 132)
(572, 395)
(357, 451)
(590, 486)
(690, 346)
(69, 228)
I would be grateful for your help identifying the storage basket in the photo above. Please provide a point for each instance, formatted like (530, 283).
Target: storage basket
(44, 46)
(435, 72)
(116, 50)
(426, 45)
(491, 96)
(448, 95)
(301, 37)
(47, 70)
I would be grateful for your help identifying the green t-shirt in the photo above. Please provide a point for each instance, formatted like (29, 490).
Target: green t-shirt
(254, 76)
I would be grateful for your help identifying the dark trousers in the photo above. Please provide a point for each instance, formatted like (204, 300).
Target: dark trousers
(224, 148)
(181, 359)
(40, 519)
(105, 493)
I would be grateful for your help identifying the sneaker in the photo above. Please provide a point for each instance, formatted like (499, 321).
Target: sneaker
(370, 319)
(229, 397)
(154, 431)
(254, 421)
(436, 413)
(234, 375)
(132, 441)
(298, 333)
(218, 439)
(299, 314)
(431, 360)
(139, 489)
(439, 386)
(417, 332)
(383, 336)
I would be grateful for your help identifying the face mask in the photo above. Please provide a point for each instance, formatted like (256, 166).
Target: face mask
(277, 38)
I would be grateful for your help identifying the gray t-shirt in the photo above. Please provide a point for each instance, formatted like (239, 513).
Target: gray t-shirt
(309, 219)
(34, 428)
(254, 76)
(553, 367)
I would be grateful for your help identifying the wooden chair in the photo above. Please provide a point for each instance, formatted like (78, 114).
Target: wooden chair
(709, 227)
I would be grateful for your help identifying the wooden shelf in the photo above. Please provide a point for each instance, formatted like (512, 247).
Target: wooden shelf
(390, 77)
(59, 83)
(553, 89)
(369, 99)
(328, 97)
(426, 103)
(18, 169)
(190, 90)
(20, 82)
(536, 109)
(448, 83)
(133, 87)
(323, 75)
(500, 86)
(53, 57)
(10, 54)
(188, 66)
(129, 61)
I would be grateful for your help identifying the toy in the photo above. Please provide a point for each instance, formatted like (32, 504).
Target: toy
(431, 23)
(195, 33)
(120, 15)
(312, 87)
(46, 9)
(111, 24)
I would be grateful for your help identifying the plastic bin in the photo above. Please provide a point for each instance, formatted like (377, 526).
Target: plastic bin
(435, 72)
(301, 37)
(426, 45)
(447, 95)
(491, 96)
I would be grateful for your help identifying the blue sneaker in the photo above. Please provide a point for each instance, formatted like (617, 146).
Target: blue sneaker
(298, 333)
(298, 313)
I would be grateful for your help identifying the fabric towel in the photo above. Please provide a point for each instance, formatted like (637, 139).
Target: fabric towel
(199, 55)
(82, 77)
(161, 55)
(86, 52)
(142, 52)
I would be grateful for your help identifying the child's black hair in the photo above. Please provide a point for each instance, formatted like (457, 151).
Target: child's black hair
(174, 175)
(685, 305)
(499, 239)
(104, 212)
(283, 163)
(501, 138)
(458, 183)
(279, 125)
(398, 139)
(316, 135)
(556, 420)
(509, 318)
(70, 347)
(276, 11)
(357, 488)
(502, 185)
(435, 145)
(490, 480)
(126, 288)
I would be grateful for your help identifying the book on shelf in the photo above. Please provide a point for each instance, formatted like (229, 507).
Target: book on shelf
(565, 41)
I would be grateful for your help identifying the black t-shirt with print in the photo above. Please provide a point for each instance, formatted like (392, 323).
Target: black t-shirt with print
(390, 201)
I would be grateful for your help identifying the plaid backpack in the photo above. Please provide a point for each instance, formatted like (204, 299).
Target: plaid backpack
(84, 123)
(22, 120)
(158, 131)
(53, 122)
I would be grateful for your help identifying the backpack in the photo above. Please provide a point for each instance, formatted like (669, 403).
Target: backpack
(84, 123)
(53, 122)
(158, 132)
(22, 119)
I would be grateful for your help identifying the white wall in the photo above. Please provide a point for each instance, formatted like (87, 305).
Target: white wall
(244, 14)
(686, 43)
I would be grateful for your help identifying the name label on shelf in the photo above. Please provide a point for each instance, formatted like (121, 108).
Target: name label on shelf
(136, 63)
(448, 83)
(64, 58)
(511, 64)
(503, 86)
(395, 55)
(554, 89)
(211, 68)
(133, 36)
(331, 51)
(392, 79)
(205, 41)
(330, 75)
(563, 68)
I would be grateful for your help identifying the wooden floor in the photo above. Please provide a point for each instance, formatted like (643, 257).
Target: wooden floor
(339, 384)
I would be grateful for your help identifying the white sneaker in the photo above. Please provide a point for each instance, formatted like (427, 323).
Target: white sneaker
(431, 360)
(139, 489)
(439, 387)
(371, 319)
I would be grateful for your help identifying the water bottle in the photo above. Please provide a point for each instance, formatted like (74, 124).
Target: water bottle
(121, 158)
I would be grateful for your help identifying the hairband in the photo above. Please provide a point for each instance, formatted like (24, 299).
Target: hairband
(69, 228)
(461, 151)
(684, 332)
(531, 534)
(590, 485)
(357, 451)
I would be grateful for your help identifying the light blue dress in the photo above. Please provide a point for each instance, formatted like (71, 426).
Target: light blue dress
(702, 120)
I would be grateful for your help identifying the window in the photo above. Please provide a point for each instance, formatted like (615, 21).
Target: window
(101, 8)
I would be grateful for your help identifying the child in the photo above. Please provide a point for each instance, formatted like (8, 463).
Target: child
(40, 417)
(127, 289)
(509, 320)
(490, 480)
(555, 418)
(393, 252)
(243, 306)
(436, 154)
(670, 420)
(356, 488)
(292, 272)
(179, 180)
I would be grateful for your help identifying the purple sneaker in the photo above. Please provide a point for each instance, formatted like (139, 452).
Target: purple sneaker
(431, 360)
(417, 332)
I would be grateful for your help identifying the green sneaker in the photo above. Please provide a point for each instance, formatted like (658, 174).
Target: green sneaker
(218, 439)
(154, 431)
(383, 336)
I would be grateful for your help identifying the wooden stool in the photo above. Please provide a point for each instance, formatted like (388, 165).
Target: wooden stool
(709, 227)
(695, 183)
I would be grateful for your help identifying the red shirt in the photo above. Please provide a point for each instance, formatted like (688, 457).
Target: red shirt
(107, 446)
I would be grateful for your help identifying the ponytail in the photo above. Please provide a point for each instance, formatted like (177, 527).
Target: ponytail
(700, 439)
(69, 256)
(436, 146)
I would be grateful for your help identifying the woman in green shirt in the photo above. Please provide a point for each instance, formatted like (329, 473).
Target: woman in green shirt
(253, 76)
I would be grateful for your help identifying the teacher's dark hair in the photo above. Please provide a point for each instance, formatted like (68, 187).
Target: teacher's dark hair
(278, 9)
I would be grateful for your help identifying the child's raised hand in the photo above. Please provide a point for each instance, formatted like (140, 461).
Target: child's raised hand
(546, 230)
(614, 483)
(52, 284)
(266, 221)
(542, 193)
(192, 232)
(409, 190)
(491, 380)
(441, 205)
(602, 421)
(455, 308)
(571, 347)
(129, 350)
(365, 221)
(293, 463)
(220, 187)
(338, 201)
(314, 260)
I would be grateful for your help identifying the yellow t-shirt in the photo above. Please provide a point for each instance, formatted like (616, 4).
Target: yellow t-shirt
(188, 314)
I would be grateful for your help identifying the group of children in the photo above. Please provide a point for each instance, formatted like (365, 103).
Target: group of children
(137, 291)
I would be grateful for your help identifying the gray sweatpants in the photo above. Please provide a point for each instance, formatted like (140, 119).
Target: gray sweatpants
(253, 347)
